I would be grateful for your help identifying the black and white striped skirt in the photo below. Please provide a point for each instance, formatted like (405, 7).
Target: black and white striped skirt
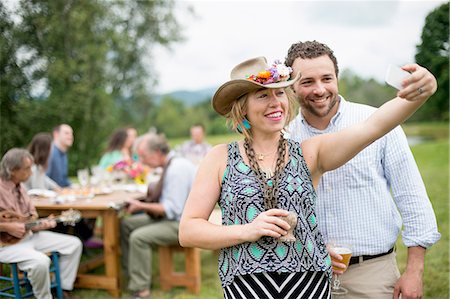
(274, 285)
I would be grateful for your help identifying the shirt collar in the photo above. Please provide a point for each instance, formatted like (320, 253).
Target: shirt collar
(58, 150)
(171, 154)
(13, 188)
(9, 185)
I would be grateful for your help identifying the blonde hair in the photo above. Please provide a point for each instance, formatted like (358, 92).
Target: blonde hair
(237, 113)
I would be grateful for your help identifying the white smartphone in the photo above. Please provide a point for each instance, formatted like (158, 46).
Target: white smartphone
(395, 76)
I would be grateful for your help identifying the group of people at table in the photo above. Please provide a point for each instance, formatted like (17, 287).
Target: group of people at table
(344, 169)
(44, 166)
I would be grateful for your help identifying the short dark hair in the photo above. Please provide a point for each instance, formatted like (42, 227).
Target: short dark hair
(57, 128)
(198, 125)
(309, 50)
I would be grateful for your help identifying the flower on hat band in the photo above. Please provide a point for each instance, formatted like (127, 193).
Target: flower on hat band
(277, 73)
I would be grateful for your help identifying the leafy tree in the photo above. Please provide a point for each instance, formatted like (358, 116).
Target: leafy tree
(69, 50)
(84, 63)
(357, 89)
(166, 117)
(136, 27)
(170, 118)
(433, 53)
(13, 82)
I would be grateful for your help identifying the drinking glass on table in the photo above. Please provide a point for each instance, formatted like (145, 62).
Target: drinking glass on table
(83, 177)
(345, 250)
(96, 177)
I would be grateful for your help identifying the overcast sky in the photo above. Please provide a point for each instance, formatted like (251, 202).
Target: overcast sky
(366, 36)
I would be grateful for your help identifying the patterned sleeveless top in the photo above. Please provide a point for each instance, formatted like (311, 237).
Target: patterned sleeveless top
(241, 200)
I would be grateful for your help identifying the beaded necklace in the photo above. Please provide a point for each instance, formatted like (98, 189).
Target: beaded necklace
(268, 186)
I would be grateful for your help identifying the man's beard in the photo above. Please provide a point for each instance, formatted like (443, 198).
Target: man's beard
(319, 113)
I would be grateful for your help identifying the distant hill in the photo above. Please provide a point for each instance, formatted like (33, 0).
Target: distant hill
(189, 97)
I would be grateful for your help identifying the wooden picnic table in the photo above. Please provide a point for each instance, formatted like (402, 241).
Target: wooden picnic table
(98, 206)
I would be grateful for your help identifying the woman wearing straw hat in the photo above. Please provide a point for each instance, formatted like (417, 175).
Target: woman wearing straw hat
(261, 180)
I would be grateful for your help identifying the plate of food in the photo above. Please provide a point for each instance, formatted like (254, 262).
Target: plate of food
(77, 193)
(42, 193)
(102, 190)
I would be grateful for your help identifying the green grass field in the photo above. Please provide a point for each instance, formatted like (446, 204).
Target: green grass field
(433, 161)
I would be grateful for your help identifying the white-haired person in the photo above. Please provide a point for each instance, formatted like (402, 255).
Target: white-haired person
(262, 178)
(158, 225)
(30, 245)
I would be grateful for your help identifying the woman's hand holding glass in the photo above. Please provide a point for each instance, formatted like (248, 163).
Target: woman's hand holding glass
(266, 224)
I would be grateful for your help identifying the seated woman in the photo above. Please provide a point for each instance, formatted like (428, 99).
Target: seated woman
(118, 149)
(40, 147)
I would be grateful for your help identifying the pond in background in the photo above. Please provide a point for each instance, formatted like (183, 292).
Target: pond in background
(413, 140)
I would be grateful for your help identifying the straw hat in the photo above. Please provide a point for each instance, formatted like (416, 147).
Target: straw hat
(248, 76)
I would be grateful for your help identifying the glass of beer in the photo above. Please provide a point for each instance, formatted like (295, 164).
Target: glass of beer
(346, 252)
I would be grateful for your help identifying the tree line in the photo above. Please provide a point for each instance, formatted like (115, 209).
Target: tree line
(89, 64)
(79, 62)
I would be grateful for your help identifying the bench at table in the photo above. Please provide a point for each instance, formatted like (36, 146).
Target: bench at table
(191, 276)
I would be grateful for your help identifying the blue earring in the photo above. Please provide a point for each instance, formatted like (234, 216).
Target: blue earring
(246, 124)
